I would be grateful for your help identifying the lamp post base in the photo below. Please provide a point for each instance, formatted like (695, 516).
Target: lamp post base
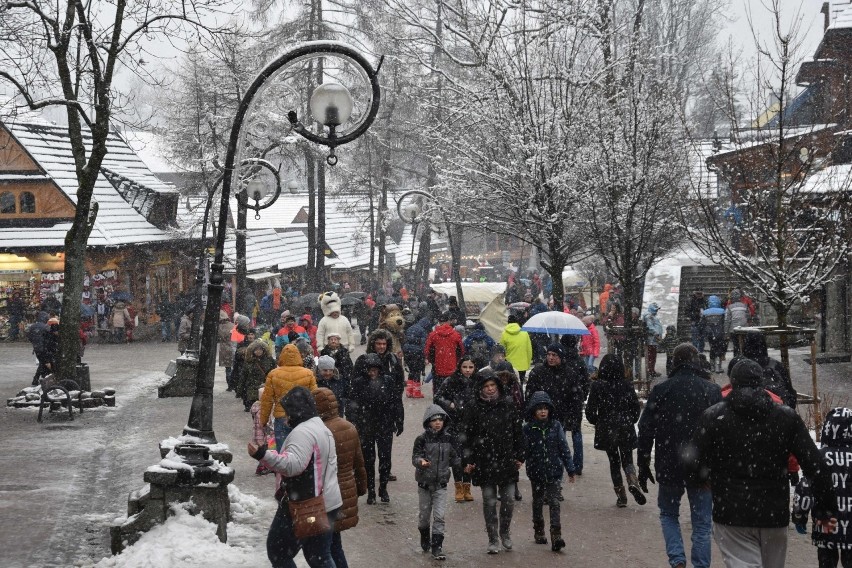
(182, 383)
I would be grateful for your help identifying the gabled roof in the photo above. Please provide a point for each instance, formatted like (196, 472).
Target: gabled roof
(117, 223)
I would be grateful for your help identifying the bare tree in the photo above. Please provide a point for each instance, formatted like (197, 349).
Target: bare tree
(67, 54)
(780, 222)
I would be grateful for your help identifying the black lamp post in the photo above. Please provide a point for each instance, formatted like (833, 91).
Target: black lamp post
(330, 106)
(411, 212)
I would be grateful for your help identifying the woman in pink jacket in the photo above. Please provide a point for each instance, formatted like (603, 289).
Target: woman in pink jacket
(590, 345)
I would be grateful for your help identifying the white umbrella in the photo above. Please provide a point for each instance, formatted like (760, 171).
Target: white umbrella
(556, 322)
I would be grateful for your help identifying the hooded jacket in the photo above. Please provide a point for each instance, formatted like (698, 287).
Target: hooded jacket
(415, 337)
(37, 335)
(670, 418)
(613, 409)
(493, 439)
(374, 404)
(254, 370)
(547, 451)
(604, 298)
(736, 314)
(459, 392)
(741, 446)
(713, 318)
(289, 373)
(351, 474)
(391, 365)
(590, 344)
(438, 448)
(443, 349)
(519, 351)
(478, 344)
(567, 385)
(226, 348)
(836, 453)
(310, 443)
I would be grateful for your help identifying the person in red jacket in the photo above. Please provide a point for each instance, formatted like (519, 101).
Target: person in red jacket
(590, 345)
(307, 322)
(444, 349)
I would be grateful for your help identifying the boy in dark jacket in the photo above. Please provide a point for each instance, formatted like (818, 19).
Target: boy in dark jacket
(547, 455)
(433, 456)
(836, 446)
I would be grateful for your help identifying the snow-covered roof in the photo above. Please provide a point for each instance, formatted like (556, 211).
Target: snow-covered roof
(759, 137)
(264, 249)
(840, 15)
(150, 148)
(831, 179)
(117, 223)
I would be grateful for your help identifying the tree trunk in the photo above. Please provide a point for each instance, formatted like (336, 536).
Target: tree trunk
(555, 268)
(69, 329)
(455, 233)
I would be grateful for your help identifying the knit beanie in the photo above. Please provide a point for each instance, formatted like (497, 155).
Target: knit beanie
(556, 348)
(325, 362)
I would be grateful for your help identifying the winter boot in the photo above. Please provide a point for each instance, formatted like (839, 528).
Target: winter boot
(425, 536)
(493, 542)
(415, 390)
(633, 485)
(409, 387)
(459, 492)
(620, 493)
(383, 493)
(556, 542)
(719, 367)
(468, 496)
(371, 497)
(518, 495)
(437, 542)
(538, 531)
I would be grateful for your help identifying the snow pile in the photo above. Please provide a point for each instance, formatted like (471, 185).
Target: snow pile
(189, 541)
(171, 442)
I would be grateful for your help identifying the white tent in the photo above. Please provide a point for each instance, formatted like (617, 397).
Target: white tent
(489, 298)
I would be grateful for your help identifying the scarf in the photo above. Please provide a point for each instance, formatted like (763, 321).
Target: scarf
(489, 398)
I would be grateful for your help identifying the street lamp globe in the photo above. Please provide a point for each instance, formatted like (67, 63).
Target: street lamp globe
(256, 189)
(411, 211)
(293, 187)
(331, 104)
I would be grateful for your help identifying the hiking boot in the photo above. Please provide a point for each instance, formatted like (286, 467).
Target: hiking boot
(468, 496)
(518, 496)
(437, 551)
(556, 542)
(538, 532)
(383, 494)
(620, 493)
(425, 538)
(459, 492)
(493, 547)
(506, 540)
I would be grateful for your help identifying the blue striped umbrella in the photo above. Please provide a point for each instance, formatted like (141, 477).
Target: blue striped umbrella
(556, 322)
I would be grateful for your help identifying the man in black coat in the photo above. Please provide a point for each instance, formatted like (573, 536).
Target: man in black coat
(741, 446)
(565, 379)
(669, 421)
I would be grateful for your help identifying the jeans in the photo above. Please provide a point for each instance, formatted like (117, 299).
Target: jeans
(337, 551)
(282, 545)
(489, 509)
(590, 362)
(577, 442)
(546, 492)
(166, 329)
(700, 508)
(282, 430)
(651, 359)
(697, 337)
(432, 505)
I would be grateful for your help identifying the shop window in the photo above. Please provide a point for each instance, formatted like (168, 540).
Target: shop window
(27, 200)
(7, 202)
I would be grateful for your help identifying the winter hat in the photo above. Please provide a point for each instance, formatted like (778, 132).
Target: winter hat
(325, 362)
(299, 405)
(223, 315)
(333, 334)
(736, 295)
(653, 308)
(746, 373)
(53, 321)
(444, 317)
(837, 428)
(459, 329)
(431, 412)
(588, 320)
(556, 348)
(498, 349)
(684, 354)
(372, 360)
(243, 323)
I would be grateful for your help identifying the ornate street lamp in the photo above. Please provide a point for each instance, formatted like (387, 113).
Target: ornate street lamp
(332, 106)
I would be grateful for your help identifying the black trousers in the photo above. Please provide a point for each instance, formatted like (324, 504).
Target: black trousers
(828, 558)
(546, 493)
(620, 458)
(382, 441)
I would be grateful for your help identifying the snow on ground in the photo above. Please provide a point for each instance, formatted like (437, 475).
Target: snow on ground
(189, 541)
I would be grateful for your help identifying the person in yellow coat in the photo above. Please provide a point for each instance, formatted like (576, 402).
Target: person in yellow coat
(290, 373)
(518, 346)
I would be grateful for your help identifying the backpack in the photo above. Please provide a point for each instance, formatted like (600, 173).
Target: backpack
(774, 381)
(479, 352)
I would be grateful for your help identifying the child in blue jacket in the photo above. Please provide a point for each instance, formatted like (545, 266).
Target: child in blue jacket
(547, 454)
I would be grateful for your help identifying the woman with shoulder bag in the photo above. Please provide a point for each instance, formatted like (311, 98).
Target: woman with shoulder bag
(308, 492)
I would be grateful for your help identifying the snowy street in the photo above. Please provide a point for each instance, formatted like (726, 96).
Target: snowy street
(64, 482)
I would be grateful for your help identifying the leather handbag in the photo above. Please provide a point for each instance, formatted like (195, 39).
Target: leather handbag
(309, 517)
